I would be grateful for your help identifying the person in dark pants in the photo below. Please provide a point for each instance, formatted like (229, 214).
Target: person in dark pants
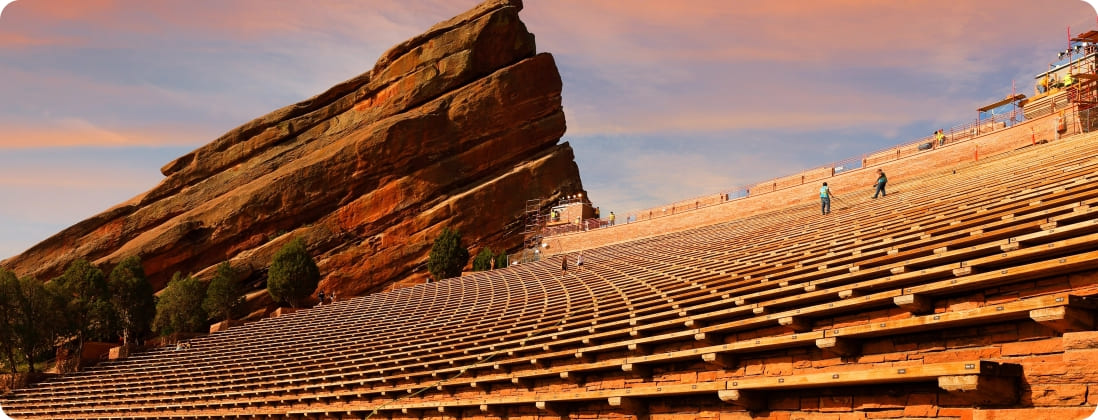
(825, 199)
(564, 265)
(881, 181)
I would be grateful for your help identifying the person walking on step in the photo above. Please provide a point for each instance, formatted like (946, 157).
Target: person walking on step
(320, 296)
(881, 181)
(564, 265)
(579, 261)
(825, 199)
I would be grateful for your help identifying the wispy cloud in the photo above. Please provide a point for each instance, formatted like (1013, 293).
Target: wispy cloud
(18, 41)
(69, 132)
(664, 100)
(139, 66)
(737, 65)
(46, 190)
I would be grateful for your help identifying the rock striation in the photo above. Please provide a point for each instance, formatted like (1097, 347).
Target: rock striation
(456, 127)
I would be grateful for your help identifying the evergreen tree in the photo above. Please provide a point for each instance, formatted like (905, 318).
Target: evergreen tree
(501, 259)
(293, 275)
(132, 298)
(179, 308)
(87, 302)
(483, 260)
(224, 294)
(9, 315)
(38, 318)
(448, 256)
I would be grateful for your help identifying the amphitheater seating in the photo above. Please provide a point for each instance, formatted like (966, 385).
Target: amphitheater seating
(641, 319)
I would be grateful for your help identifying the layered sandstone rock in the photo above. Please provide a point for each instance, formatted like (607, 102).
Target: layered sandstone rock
(456, 127)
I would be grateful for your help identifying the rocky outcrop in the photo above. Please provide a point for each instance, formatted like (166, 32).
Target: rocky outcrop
(456, 127)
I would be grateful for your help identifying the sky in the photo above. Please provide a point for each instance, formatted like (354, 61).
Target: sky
(664, 100)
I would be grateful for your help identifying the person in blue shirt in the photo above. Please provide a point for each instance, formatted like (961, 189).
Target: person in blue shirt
(825, 199)
(881, 181)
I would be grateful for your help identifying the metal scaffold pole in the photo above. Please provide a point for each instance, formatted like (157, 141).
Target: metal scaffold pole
(534, 221)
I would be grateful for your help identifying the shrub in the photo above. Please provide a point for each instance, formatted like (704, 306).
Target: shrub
(483, 260)
(447, 255)
(224, 294)
(501, 259)
(293, 275)
(179, 308)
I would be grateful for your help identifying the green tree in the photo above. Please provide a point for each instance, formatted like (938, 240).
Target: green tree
(38, 318)
(9, 315)
(224, 294)
(448, 256)
(179, 308)
(132, 298)
(501, 259)
(87, 302)
(293, 275)
(483, 260)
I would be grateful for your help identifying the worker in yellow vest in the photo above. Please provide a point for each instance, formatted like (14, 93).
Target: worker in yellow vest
(1068, 80)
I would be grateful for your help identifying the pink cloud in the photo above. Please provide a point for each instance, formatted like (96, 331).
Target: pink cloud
(57, 10)
(76, 133)
(828, 31)
(238, 20)
(62, 177)
(760, 61)
(9, 40)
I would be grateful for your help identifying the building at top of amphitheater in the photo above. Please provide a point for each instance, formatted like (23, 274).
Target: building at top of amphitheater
(965, 293)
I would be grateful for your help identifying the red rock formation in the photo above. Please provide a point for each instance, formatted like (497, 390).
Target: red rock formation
(456, 127)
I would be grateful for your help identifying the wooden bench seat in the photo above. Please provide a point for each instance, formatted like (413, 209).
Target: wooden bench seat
(964, 376)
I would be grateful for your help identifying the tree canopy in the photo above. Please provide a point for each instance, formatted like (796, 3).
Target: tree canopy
(9, 320)
(483, 260)
(447, 256)
(486, 258)
(88, 308)
(293, 275)
(132, 298)
(31, 319)
(224, 294)
(179, 308)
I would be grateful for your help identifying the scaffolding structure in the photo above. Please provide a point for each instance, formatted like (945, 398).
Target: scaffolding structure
(533, 223)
